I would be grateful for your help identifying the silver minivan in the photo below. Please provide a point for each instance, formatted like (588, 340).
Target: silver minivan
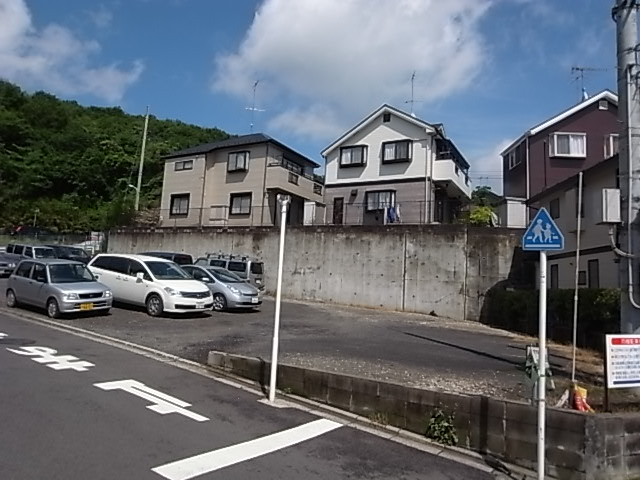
(59, 286)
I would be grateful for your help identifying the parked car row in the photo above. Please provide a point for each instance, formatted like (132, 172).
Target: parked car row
(158, 284)
(14, 252)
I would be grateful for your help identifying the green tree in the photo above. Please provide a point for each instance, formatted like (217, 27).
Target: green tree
(74, 163)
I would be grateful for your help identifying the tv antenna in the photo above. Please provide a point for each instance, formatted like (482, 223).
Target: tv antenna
(412, 101)
(253, 106)
(579, 76)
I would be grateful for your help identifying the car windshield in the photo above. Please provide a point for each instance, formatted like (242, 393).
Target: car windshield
(225, 275)
(78, 252)
(70, 273)
(44, 252)
(167, 271)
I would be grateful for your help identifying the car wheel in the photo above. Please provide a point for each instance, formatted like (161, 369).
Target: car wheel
(12, 301)
(155, 307)
(53, 309)
(219, 302)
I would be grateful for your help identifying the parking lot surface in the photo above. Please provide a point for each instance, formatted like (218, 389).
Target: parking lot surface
(411, 349)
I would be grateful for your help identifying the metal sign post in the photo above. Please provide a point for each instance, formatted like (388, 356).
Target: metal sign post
(284, 203)
(542, 235)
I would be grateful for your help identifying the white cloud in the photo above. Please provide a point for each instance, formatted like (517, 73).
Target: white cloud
(101, 17)
(55, 59)
(341, 59)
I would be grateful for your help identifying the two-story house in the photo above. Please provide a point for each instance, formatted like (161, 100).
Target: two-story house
(235, 182)
(555, 150)
(598, 263)
(394, 167)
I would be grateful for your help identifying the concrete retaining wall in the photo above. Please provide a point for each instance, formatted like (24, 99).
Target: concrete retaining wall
(579, 446)
(444, 269)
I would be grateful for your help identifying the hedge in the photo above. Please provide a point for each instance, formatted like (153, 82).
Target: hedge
(517, 311)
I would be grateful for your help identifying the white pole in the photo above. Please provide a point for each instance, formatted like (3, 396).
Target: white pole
(284, 202)
(575, 293)
(542, 363)
(144, 144)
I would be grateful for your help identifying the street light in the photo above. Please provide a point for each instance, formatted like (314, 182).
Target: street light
(284, 203)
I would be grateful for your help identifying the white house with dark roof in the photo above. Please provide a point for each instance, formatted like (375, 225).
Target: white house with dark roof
(235, 182)
(394, 167)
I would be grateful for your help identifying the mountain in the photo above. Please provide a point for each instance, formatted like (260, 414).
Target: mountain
(72, 165)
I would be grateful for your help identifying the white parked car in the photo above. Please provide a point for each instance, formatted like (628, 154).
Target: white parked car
(158, 284)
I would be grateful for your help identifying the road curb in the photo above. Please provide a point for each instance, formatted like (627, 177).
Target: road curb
(455, 454)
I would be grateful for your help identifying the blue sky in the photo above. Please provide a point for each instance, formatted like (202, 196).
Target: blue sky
(487, 69)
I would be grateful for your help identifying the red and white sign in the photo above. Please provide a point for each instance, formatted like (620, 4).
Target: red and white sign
(623, 361)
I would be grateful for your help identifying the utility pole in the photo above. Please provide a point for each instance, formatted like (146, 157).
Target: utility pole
(144, 144)
(625, 14)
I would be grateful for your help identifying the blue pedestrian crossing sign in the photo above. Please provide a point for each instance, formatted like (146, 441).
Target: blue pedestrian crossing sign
(543, 234)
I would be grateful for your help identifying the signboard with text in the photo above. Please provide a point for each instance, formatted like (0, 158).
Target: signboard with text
(623, 361)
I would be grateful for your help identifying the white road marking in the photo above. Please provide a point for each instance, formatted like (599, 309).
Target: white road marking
(215, 460)
(2, 335)
(163, 403)
(57, 362)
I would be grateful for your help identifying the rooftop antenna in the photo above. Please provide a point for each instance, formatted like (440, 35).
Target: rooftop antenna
(412, 101)
(253, 105)
(579, 76)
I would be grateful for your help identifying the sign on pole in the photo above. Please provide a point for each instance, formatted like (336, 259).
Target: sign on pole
(542, 235)
(623, 361)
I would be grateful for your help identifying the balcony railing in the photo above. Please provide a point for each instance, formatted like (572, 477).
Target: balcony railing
(295, 168)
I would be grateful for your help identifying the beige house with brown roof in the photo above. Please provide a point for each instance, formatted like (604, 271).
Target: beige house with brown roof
(235, 182)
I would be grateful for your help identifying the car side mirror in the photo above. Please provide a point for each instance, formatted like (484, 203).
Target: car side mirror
(139, 276)
(205, 280)
(41, 279)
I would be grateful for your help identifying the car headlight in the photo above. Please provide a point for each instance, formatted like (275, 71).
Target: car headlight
(258, 281)
(171, 291)
(108, 294)
(12, 265)
(234, 290)
(71, 296)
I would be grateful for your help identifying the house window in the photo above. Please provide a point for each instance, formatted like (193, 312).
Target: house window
(582, 278)
(179, 205)
(610, 145)
(399, 151)
(183, 165)
(293, 178)
(380, 200)
(553, 277)
(594, 273)
(513, 159)
(352, 156)
(238, 162)
(554, 208)
(568, 145)
(240, 204)
(386, 117)
(603, 105)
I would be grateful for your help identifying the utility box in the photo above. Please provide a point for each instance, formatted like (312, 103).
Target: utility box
(610, 206)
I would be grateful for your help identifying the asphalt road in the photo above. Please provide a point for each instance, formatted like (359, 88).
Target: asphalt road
(90, 416)
(405, 348)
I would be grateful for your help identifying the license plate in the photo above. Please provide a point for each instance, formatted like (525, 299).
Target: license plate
(86, 306)
(254, 300)
(199, 305)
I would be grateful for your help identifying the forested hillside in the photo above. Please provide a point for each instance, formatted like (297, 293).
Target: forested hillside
(73, 164)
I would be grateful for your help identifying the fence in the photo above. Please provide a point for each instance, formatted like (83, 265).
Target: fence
(309, 213)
